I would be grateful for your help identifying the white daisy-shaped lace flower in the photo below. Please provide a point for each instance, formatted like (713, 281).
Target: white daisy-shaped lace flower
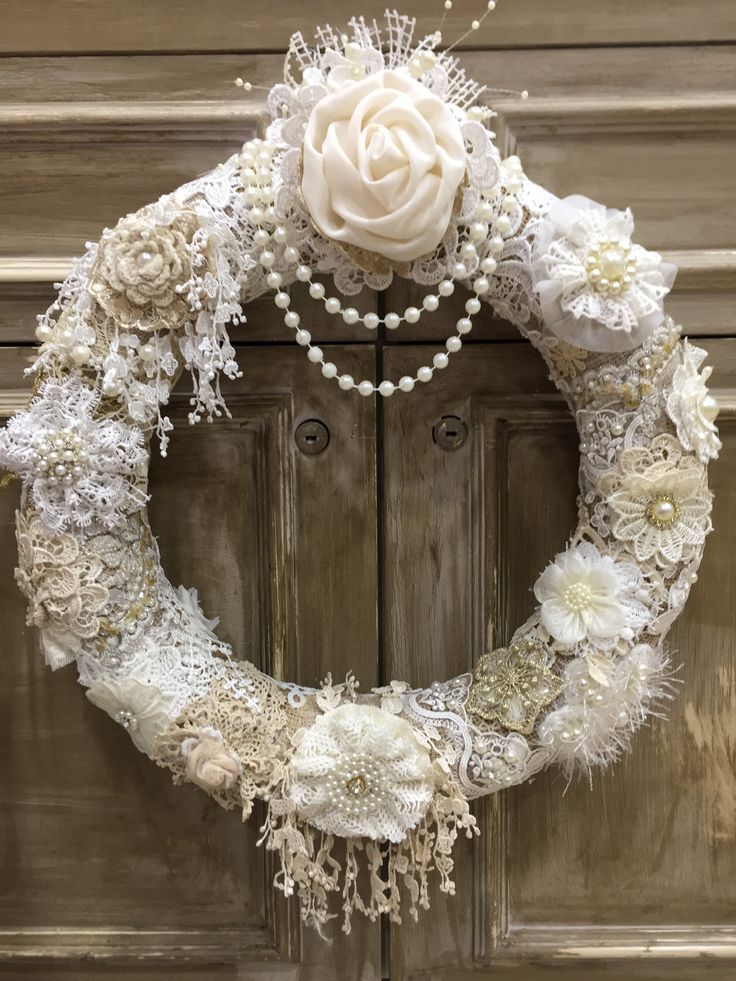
(659, 501)
(597, 289)
(359, 771)
(79, 468)
(587, 596)
(691, 406)
(140, 709)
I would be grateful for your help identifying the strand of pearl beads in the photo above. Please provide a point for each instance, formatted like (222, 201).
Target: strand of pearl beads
(386, 388)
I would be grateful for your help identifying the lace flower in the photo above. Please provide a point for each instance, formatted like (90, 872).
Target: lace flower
(659, 501)
(588, 596)
(691, 406)
(359, 771)
(80, 468)
(143, 266)
(64, 589)
(141, 709)
(597, 290)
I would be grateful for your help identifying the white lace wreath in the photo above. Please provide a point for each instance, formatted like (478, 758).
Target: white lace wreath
(391, 771)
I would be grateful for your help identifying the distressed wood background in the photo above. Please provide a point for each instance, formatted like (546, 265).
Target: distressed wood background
(384, 554)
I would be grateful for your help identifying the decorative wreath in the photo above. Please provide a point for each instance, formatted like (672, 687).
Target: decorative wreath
(377, 163)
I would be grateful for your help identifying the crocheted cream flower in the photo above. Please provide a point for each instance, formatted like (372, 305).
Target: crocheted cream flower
(691, 406)
(585, 595)
(383, 159)
(141, 709)
(360, 771)
(597, 290)
(208, 763)
(659, 501)
(79, 468)
(63, 585)
(139, 266)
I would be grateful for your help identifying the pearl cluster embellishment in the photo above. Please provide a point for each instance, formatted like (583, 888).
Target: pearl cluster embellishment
(59, 456)
(354, 786)
(610, 266)
(578, 597)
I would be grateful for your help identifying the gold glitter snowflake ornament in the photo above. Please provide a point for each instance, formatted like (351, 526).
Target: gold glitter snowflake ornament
(512, 685)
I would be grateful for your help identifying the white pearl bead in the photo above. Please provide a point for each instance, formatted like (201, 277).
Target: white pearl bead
(513, 164)
(485, 211)
(292, 319)
(291, 254)
(469, 252)
(346, 382)
(303, 337)
(261, 237)
(267, 258)
(509, 204)
(472, 305)
(478, 231)
(503, 224)
(148, 352)
(458, 270)
(257, 215)
(488, 265)
(44, 333)
(371, 321)
(430, 302)
(464, 325)
(392, 321)
(314, 354)
(453, 344)
(386, 388)
(274, 280)
(411, 315)
(481, 285)
(365, 388)
(446, 287)
(513, 185)
(495, 244)
(350, 315)
(709, 407)
(332, 304)
(664, 511)
(329, 370)
(111, 389)
(81, 354)
(280, 235)
(424, 374)
(406, 383)
(303, 274)
(316, 291)
(282, 300)
(66, 336)
(440, 360)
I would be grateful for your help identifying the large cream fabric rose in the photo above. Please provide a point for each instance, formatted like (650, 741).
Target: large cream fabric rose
(383, 159)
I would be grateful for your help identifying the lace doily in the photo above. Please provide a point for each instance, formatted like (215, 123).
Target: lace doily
(391, 771)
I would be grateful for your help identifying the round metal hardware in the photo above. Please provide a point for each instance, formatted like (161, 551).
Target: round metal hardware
(450, 433)
(312, 437)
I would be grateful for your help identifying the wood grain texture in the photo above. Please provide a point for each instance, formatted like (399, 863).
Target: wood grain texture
(239, 512)
(103, 26)
(644, 866)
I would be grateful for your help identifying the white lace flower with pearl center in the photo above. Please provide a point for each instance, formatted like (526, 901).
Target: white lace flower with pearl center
(587, 596)
(660, 502)
(79, 468)
(597, 289)
(361, 771)
(691, 406)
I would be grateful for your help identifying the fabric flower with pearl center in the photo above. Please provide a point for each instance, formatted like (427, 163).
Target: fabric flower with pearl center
(79, 468)
(383, 159)
(144, 265)
(659, 502)
(360, 771)
(140, 709)
(597, 289)
(587, 596)
(691, 406)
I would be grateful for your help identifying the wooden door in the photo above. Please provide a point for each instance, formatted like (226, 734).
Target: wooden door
(387, 553)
